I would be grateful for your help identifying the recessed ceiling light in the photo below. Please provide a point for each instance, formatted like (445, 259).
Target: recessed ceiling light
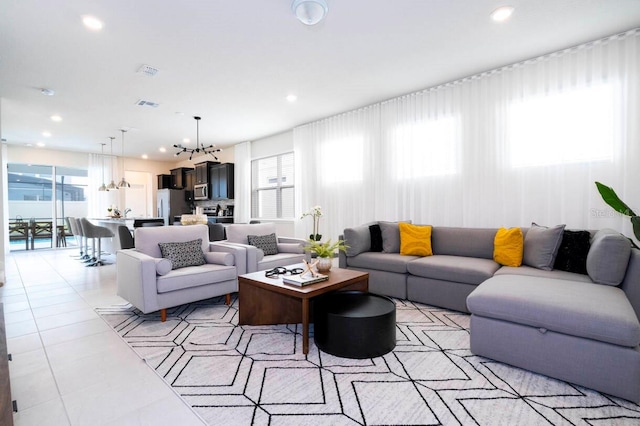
(47, 92)
(501, 14)
(292, 98)
(186, 140)
(40, 144)
(56, 118)
(92, 23)
(145, 156)
(46, 134)
(162, 149)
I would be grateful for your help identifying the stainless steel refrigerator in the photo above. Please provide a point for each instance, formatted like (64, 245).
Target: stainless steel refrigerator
(171, 202)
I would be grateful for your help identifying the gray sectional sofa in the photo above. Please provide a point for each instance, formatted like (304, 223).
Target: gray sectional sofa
(581, 328)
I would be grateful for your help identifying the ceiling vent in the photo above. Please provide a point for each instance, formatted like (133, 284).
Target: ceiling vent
(148, 70)
(143, 103)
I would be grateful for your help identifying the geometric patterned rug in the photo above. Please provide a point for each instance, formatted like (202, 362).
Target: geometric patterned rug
(257, 375)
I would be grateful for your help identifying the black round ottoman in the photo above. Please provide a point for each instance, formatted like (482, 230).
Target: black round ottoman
(354, 324)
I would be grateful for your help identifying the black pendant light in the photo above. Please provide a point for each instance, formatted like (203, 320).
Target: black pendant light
(211, 149)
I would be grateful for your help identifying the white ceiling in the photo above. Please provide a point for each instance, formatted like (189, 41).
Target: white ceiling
(233, 62)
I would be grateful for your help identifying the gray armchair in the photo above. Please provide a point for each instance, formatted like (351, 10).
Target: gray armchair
(147, 281)
(289, 250)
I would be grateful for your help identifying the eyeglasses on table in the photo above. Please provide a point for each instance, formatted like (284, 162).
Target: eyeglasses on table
(280, 270)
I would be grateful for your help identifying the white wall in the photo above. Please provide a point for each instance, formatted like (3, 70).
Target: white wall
(272, 145)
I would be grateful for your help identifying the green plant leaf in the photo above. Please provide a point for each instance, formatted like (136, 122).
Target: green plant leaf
(610, 197)
(635, 221)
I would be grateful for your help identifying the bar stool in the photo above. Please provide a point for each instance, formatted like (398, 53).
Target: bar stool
(77, 232)
(74, 231)
(84, 242)
(95, 232)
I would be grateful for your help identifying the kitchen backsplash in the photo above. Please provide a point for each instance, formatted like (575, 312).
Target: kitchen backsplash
(211, 204)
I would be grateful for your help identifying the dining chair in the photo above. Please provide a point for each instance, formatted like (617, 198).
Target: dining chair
(126, 239)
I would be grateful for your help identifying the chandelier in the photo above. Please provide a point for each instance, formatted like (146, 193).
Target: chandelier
(211, 149)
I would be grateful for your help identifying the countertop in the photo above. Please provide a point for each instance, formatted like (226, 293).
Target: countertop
(120, 220)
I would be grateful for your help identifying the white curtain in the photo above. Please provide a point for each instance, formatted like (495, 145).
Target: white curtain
(507, 147)
(242, 176)
(99, 201)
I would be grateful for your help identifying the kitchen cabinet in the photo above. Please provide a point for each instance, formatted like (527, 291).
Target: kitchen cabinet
(221, 179)
(189, 179)
(164, 181)
(178, 177)
(202, 172)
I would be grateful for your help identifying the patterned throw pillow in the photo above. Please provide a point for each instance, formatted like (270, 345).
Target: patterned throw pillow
(415, 240)
(508, 247)
(267, 243)
(184, 254)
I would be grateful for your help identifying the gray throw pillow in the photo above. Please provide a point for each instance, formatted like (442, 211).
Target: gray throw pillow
(267, 243)
(391, 236)
(358, 240)
(541, 246)
(188, 253)
(608, 257)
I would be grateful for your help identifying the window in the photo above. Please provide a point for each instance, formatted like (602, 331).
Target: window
(570, 127)
(272, 187)
(426, 149)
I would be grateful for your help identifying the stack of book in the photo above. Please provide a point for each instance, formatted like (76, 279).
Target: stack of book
(304, 279)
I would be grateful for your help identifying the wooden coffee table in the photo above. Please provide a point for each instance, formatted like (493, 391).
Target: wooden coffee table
(268, 301)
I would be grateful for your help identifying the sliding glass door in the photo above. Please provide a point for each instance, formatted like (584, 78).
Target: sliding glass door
(40, 198)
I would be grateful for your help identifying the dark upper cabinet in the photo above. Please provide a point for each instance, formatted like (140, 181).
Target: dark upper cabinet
(189, 179)
(178, 177)
(164, 181)
(221, 179)
(202, 172)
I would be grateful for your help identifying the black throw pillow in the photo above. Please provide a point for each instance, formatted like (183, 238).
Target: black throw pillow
(573, 251)
(376, 237)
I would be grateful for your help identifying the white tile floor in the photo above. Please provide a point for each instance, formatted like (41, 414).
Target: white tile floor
(69, 367)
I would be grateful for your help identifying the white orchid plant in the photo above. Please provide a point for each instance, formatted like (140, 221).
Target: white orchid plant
(316, 213)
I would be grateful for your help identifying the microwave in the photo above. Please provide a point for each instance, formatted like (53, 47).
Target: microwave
(201, 191)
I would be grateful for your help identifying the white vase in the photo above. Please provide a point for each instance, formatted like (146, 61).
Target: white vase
(324, 264)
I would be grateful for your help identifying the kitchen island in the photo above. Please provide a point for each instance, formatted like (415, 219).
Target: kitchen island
(111, 245)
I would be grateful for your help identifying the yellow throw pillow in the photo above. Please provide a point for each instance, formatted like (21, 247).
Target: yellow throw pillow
(508, 247)
(415, 240)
